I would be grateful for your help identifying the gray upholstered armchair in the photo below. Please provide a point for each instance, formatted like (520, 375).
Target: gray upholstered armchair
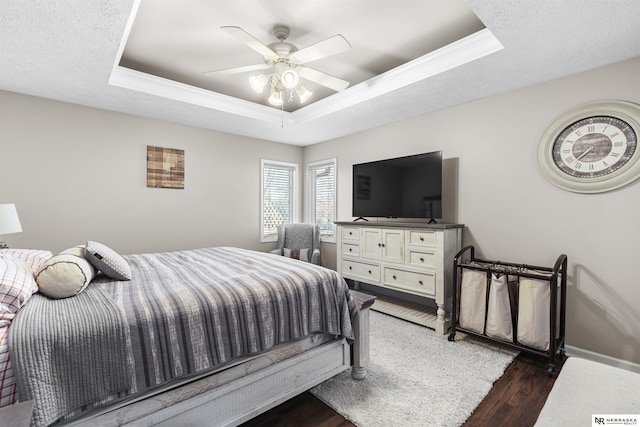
(300, 241)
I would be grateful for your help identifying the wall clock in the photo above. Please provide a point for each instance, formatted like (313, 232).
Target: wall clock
(593, 148)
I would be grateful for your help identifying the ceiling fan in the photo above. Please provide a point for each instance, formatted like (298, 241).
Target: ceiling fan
(284, 64)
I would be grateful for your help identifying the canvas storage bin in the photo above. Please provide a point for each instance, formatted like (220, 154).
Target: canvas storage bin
(473, 294)
(499, 323)
(534, 303)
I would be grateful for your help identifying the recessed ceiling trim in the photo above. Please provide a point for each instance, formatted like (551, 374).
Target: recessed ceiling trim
(153, 85)
(159, 86)
(455, 54)
(460, 52)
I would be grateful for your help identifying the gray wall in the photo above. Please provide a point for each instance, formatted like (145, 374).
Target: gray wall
(78, 174)
(511, 212)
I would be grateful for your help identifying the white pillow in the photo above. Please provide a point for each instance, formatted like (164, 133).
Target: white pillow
(105, 259)
(16, 287)
(301, 254)
(34, 258)
(66, 274)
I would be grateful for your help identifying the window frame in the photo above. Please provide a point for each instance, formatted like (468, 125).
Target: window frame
(311, 191)
(293, 194)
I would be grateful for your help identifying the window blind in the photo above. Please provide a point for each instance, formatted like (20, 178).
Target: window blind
(321, 196)
(278, 197)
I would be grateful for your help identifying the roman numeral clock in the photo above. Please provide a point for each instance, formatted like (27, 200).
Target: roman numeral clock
(593, 148)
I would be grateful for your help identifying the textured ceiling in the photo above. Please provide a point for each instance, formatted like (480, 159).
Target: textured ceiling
(68, 50)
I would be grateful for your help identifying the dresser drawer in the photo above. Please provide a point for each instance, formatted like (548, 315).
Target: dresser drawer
(351, 249)
(422, 238)
(350, 233)
(420, 283)
(422, 258)
(369, 273)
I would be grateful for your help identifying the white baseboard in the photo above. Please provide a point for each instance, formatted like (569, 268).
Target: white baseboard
(597, 357)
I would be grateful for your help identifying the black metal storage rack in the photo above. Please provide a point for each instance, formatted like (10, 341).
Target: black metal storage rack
(557, 278)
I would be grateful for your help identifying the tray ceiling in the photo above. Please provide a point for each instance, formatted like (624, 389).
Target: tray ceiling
(407, 58)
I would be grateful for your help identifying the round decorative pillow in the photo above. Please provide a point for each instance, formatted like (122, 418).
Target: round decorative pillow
(66, 274)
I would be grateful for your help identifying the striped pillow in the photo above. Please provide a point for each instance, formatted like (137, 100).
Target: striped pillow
(16, 287)
(34, 258)
(301, 254)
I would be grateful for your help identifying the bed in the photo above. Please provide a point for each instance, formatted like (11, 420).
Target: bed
(210, 336)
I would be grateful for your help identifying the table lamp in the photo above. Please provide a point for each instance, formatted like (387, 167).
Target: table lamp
(9, 221)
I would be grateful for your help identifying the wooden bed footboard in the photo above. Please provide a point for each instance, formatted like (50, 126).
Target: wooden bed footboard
(240, 400)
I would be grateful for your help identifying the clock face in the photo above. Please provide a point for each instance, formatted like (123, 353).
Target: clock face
(594, 147)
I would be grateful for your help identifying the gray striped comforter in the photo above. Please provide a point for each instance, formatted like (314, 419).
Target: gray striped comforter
(191, 311)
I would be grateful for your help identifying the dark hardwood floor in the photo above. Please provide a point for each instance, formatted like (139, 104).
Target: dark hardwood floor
(515, 400)
(518, 396)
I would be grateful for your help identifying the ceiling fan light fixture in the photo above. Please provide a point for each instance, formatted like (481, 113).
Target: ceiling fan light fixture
(259, 82)
(290, 78)
(286, 64)
(276, 98)
(303, 94)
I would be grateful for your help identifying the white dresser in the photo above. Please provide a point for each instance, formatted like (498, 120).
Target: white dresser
(410, 258)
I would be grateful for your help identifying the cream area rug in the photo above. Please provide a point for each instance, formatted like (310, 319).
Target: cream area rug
(416, 377)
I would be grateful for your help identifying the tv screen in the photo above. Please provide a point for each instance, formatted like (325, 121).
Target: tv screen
(403, 187)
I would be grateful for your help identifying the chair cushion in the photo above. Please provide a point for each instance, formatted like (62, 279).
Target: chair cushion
(301, 254)
(298, 236)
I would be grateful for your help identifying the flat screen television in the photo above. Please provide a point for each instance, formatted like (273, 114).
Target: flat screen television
(402, 187)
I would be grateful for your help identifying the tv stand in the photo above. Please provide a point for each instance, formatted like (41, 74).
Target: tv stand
(361, 218)
(410, 259)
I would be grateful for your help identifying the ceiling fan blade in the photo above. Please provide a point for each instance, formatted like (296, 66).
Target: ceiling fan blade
(331, 46)
(238, 70)
(251, 41)
(323, 79)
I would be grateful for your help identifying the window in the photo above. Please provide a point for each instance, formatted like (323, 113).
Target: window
(321, 197)
(279, 201)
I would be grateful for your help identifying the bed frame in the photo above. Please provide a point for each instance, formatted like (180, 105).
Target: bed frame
(239, 400)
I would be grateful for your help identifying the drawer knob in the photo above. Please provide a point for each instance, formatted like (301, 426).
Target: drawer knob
(394, 277)
(382, 245)
(379, 245)
(350, 249)
(421, 259)
(350, 233)
(350, 268)
(422, 239)
(420, 281)
(369, 271)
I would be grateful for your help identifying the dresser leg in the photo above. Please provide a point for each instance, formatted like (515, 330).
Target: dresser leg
(441, 323)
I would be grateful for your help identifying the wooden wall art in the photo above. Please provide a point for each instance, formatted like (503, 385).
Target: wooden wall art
(165, 167)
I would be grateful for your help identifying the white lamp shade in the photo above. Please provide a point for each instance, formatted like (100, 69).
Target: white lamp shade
(259, 82)
(276, 98)
(9, 221)
(290, 78)
(303, 93)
